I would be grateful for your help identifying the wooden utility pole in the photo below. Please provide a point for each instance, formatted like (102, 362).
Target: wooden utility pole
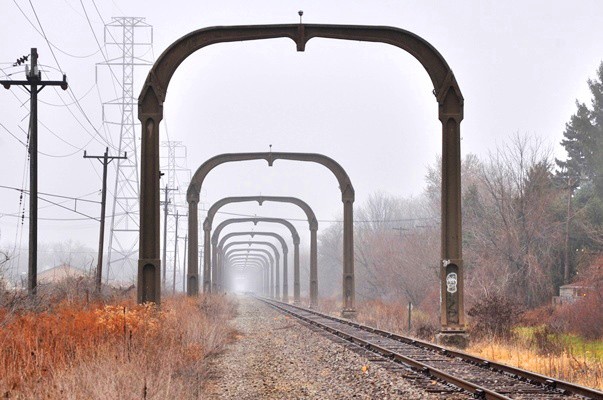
(34, 84)
(184, 264)
(175, 253)
(566, 257)
(177, 216)
(166, 202)
(105, 159)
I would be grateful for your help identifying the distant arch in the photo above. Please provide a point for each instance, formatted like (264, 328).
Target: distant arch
(222, 250)
(313, 225)
(347, 197)
(266, 268)
(256, 220)
(248, 252)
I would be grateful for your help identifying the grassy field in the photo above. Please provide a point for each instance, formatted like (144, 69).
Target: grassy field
(561, 356)
(119, 350)
(564, 356)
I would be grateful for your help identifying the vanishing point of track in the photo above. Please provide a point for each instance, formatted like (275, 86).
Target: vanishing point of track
(438, 369)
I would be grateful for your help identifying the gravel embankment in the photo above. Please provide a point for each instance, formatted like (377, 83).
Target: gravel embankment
(276, 357)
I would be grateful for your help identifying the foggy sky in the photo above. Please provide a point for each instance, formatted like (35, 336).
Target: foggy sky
(520, 66)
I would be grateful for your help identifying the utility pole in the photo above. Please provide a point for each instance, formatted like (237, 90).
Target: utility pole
(105, 159)
(176, 216)
(175, 253)
(566, 258)
(166, 202)
(184, 266)
(34, 84)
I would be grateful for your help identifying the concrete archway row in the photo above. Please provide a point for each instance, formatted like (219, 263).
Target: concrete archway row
(450, 110)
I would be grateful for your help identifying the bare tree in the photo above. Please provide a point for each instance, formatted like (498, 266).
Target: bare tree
(516, 246)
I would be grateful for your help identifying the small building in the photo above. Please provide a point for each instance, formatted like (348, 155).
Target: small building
(589, 280)
(60, 273)
(568, 294)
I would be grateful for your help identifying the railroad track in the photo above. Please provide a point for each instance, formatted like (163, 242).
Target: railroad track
(438, 369)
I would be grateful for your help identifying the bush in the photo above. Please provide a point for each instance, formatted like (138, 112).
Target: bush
(494, 315)
(121, 350)
(584, 317)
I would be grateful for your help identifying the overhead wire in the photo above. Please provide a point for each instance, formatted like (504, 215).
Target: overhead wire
(13, 135)
(57, 219)
(80, 198)
(50, 43)
(78, 149)
(69, 89)
(69, 209)
(97, 42)
(368, 221)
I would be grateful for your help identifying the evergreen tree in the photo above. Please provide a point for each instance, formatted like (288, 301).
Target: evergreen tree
(583, 141)
(582, 171)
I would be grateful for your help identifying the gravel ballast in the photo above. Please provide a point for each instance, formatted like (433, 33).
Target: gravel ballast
(277, 357)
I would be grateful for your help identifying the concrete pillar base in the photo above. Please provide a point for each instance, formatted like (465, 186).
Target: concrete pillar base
(458, 339)
(349, 314)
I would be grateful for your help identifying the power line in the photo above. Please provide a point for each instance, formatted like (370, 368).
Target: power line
(369, 221)
(78, 149)
(81, 198)
(50, 43)
(50, 219)
(13, 135)
(70, 91)
(68, 209)
(96, 40)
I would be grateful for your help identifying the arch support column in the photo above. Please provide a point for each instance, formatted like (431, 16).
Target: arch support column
(286, 269)
(277, 277)
(206, 259)
(452, 308)
(349, 296)
(214, 268)
(192, 276)
(149, 262)
(313, 271)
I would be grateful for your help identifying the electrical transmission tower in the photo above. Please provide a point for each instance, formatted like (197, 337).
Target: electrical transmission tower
(178, 178)
(127, 40)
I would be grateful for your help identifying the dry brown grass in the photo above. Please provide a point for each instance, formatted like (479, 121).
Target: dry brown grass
(122, 350)
(561, 356)
(580, 369)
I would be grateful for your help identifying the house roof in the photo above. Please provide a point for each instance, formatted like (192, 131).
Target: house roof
(59, 273)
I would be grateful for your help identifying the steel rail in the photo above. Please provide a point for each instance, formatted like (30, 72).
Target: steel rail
(565, 388)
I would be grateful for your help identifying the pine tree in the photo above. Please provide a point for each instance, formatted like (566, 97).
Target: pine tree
(582, 172)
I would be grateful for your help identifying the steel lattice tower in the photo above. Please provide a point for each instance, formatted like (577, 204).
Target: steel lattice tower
(121, 38)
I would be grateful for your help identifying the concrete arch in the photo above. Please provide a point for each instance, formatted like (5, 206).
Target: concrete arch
(256, 220)
(222, 251)
(261, 264)
(347, 197)
(253, 234)
(250, 243)
(313, 225)
(216, 235)
(247, 253)
(450, 113)
(261, 258)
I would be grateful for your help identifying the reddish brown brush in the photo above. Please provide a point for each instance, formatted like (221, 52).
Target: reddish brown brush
(111, 351)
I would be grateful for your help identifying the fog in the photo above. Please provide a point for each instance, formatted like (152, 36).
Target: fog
(520, 67)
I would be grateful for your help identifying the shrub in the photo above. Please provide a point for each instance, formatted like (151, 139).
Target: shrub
(584, 317)
(120, 350)
(494, 315)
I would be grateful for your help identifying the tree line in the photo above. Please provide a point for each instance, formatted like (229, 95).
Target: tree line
(531, 223)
